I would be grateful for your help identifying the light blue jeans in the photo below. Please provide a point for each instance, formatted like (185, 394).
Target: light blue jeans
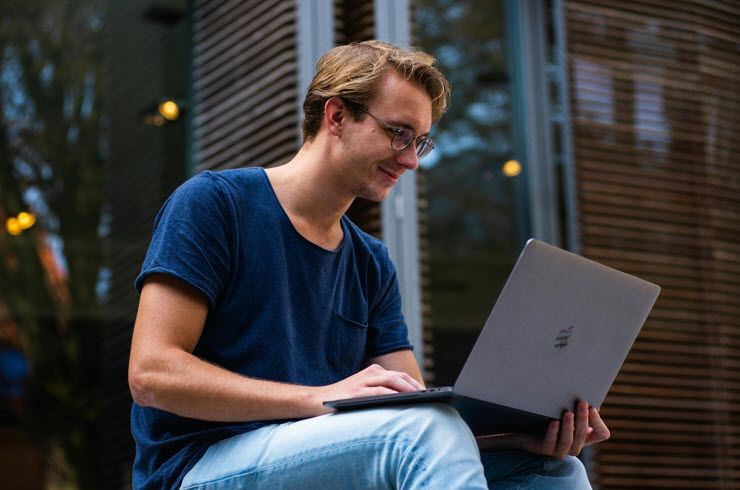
(425, 446)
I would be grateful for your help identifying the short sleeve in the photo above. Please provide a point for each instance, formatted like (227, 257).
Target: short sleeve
(191, 237)
(387, 330)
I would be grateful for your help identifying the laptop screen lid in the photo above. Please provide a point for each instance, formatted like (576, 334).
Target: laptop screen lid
(559, 332)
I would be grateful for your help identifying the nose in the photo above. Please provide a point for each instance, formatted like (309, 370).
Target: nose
(407, 158)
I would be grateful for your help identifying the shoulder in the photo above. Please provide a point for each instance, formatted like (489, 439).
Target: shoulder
(218, 187)
(226, 181)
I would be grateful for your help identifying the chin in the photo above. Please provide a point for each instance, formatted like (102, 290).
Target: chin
(375, 195)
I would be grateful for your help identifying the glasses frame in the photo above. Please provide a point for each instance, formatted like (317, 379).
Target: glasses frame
(423, 144)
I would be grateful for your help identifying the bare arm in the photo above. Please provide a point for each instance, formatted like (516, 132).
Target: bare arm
(163, 372)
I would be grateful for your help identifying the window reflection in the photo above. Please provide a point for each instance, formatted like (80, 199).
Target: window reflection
(81, 178)
(472, 213)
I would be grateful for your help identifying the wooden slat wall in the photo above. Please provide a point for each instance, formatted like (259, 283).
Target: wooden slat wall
(655, 103)
(245, 83)
(354, 20)
(425, 279)
(145, 61)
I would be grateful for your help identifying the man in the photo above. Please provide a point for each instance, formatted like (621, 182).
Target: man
(260, 300)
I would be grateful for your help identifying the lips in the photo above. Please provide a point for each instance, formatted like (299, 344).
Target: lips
(390, 174)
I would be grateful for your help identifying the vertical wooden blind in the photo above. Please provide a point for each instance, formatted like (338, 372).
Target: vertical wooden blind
(245, 83)
(354, 20)
(656, 121)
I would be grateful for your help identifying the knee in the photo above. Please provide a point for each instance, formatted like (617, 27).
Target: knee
(570, 468)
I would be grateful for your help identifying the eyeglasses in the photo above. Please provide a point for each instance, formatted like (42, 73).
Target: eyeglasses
(403, 137)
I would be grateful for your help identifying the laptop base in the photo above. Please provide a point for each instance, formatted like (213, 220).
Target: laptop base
(483, 418)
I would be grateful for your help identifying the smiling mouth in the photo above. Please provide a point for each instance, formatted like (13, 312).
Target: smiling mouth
(390, 174)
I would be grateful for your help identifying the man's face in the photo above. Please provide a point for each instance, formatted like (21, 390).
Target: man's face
(372, 164)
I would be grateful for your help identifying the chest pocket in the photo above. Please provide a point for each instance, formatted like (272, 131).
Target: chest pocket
(348, 342)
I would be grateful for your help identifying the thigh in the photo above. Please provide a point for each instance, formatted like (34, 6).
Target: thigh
(379, 448)
(288, 455)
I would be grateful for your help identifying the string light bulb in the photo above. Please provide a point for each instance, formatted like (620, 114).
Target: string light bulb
(169, 110)
(26, 220)
(13, 227)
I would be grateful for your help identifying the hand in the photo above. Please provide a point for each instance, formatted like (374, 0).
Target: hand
(565, 437)
(373, 380)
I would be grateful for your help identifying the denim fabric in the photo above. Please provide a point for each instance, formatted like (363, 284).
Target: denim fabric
(509, 470)
(417, 447)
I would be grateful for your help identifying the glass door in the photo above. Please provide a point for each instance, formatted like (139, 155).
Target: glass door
(475, 218)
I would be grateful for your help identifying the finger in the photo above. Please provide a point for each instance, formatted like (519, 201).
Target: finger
(390, 379)
(413, 381)
(403, 379)
(601, 431)
(371, 369)
(408, 378)
(581, 428)
(376, 369)
(565, 439)
(375, 390)
(551, 438)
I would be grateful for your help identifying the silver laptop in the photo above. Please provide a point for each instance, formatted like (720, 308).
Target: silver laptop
(558, 333)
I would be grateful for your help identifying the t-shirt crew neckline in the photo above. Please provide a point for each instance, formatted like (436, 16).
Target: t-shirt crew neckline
(286, 220)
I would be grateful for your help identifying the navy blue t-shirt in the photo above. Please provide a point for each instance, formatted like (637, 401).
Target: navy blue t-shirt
(280, 307)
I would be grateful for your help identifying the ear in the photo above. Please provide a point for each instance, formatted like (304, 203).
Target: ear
(335, 115)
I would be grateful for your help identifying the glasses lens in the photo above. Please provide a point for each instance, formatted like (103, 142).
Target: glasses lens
(423, 147)
(402, 138)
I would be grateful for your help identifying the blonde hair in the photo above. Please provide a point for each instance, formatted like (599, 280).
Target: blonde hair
(354, 72)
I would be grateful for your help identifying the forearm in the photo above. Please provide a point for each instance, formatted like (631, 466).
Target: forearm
(183, 384)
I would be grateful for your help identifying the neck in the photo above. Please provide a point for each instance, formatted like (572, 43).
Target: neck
(310, 189)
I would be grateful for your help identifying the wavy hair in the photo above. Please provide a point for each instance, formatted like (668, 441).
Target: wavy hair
(354, 71)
